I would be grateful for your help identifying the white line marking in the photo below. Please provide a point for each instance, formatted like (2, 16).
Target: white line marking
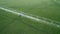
(30, 17)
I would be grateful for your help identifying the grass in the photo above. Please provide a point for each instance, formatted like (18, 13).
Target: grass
(13, 24)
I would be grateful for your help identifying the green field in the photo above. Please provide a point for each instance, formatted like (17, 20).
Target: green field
(13, 24)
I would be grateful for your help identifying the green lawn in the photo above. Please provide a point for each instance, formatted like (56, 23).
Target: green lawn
(14, 24)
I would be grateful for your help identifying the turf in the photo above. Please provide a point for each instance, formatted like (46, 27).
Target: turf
(14, 24)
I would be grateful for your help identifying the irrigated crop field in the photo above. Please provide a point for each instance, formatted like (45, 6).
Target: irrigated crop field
(29, 17)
